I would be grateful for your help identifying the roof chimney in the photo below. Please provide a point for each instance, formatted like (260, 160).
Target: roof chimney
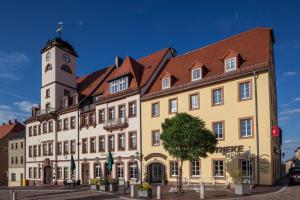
(118, 61)
(3, 123)
(15, 121)
(9, 122)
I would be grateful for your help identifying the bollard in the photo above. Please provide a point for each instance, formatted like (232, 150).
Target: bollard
(158, 192)
(132, 191)
(202, 191)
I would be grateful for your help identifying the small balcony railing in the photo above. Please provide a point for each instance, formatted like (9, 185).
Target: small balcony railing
(117, 123)
(45, 111)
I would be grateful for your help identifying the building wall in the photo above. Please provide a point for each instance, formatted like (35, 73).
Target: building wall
(230, 112)
(4, 161)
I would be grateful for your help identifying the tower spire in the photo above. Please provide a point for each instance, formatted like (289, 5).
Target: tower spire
(59, 28)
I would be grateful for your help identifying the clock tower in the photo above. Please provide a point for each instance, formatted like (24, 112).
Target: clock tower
(58, 74)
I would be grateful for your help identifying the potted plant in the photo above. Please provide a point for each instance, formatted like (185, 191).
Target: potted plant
(94, 184)
(240, 187)
(113, 185)
(145, 190)
(164, 179)
(104, 184)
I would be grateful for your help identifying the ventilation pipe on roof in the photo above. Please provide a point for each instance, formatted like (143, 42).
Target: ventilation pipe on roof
(118, 61)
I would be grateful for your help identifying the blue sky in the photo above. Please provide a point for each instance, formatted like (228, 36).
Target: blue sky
(101, 30)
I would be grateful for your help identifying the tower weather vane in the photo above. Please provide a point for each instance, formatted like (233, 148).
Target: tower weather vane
(59, 28)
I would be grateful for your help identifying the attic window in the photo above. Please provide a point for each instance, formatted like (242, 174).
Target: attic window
(66, 68)
(196, 74)
(230, 64)
(119, 85)
(166, 83)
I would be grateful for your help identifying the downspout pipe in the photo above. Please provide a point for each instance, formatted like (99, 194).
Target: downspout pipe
(256, 127)
(78, 143)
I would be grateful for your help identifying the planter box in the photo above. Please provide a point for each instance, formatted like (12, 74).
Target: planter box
(94, 187)
(145, 193)
(113, 187)
(241, 189)
(103, 188)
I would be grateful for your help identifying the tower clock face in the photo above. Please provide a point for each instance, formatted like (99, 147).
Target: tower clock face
(48, 56)
(66, 58)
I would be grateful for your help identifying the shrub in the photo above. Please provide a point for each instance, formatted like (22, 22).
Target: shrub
(237, 176)
(104, 181)
(94, 181)
(114, 181)
(145, 186)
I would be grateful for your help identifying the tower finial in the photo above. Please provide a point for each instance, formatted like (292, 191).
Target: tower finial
(59, 28)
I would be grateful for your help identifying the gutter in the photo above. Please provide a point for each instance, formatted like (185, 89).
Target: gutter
(256, 126)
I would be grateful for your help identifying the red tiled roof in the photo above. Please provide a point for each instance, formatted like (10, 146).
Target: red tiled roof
(9, 128)
(253, 47)
(139, 70)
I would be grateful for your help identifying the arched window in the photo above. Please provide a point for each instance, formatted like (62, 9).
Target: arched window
(48, 67)
(66, 68)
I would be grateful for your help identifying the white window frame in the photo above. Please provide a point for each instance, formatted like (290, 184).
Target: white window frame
(248, 131)
(195, 165)
(219, 96)
(173, 168)
(194, 101)
(166, 83)
(220, 127)
(200, 74)
(232, 64)
(119, 85)
(243, 92)
(120, 170)
(155, 109)
(155, 138)
(173, 107)
(218, 169)
(133, 170)
(97, 170)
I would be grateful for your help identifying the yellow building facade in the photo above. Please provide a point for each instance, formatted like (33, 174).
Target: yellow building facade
(244, 125)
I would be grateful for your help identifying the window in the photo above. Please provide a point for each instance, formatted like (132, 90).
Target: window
(59, 125)
(122, 111)
(246, 127)
(121, 142)
(45, 149)
(92, 119)
(73, 122)
(39, 129)
(30, 172)
(30, 131)
(66, 93)
(84, 120)
(50, 149)
(44, 127)
(73, 146)
(194, 101)
(172, 105)
(219, 129)
(244, 91)
(84, 145)
(50, 126)
(22, 160)
(166, 83)
(35, 172)
(66, 147)
(196, 74)
(40, 151)
(66, 124)
(12, 146)
(65, 102)
(16, 160)
(75, 99)
(66, 68)
(47, 93)
(133, 170)
(47, 107)
(230, 64)
(155, 138)
(12, 160)
(22, 144)
(120, 170)
(101, 143)
(111, 143)
(59, 148)
(101, 116)
(247, 168)
(132, 140)
(34, 130)
(111, 113)
(155, 109)
(97, 170)
(217, 96)
(218, 168)
(30, 151)
(59, 173)
(13, 176)
(34, 151)
(195, 168)
(119, 85)
(48, 67)
(173, 168)
(16, 145)
(93, 145)
(66, 173)
(40, 172)
(132, 109)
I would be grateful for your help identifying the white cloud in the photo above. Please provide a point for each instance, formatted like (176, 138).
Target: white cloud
(4, 107)
(11, 64)
(13, 95)
(290, 111)
(284, 118)
(25, 105)
(289, 73)
(6, 115)
(290, 141)
(296, 99)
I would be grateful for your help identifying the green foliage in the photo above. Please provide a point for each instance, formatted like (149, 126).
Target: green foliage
(237, 176)
(94, 181)
(145, 186)
(104, 181)
(114, 181)
(186, 137)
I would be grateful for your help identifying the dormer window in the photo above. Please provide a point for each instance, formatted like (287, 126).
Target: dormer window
(75, 99)
(65, 102)
(196, 74)
(166, 83)
(119, 85)
(230, 64)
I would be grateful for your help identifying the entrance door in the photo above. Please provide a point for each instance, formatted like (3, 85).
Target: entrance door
(85, 173)
(47, 175)
(156, 171)
(21, 179)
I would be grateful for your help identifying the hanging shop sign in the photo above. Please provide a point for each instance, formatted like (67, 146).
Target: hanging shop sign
(276, 131)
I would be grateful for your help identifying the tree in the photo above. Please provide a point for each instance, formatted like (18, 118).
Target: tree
(186, 138)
